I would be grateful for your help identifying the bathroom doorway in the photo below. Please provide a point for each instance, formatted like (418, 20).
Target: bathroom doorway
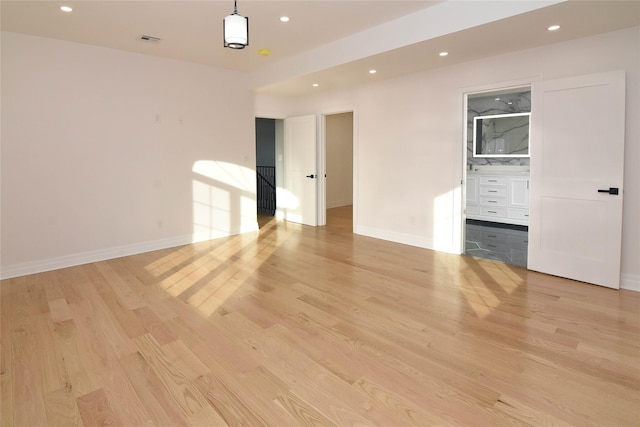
(497, 177)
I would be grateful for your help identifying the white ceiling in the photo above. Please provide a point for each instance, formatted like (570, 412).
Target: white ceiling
(333, 43)
(192, 30)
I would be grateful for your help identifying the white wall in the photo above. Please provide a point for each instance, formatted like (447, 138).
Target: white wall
(339, 159)
(416, 135)
(106, 153)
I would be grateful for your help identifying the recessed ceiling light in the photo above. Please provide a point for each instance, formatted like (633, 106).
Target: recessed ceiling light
(284, 18)
(315, 85)
(554, 28)
(65, 8)
(372, 71)
(443, 53)
(497, 99)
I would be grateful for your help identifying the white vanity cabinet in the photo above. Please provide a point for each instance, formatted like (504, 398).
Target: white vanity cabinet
(472, 189)
(519, 198)
(498, 197)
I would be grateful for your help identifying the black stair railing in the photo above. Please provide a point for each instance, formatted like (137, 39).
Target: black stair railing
(266, 189)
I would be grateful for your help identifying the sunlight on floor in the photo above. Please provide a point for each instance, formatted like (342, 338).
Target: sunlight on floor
(510, 281)
(478, 280)
(480, 298)
(204, 278)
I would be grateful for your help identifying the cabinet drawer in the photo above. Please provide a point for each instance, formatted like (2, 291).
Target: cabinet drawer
(522, 214)
(493, 180)
(497, 211)
(493, 201)
(486, 190)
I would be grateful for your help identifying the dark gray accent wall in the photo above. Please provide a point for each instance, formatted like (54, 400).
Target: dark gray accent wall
(265, 142)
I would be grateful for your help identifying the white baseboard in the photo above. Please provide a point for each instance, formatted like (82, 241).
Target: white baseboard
(338, 203)
(627, 281)
(393, 236)
(42, 265)
(630, 282)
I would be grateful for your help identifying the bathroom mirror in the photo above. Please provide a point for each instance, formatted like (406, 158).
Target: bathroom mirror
(503, 135)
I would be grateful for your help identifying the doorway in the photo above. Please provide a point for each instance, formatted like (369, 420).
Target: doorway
(497, 183)
(269, 167)
(577, 194)
(339, 158)
(335, 166)
(266, 166)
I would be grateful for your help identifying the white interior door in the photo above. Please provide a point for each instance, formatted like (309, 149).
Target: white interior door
(577, 155)
(301, 192)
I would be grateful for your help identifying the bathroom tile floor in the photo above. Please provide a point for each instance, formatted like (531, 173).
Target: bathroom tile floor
(499, 242)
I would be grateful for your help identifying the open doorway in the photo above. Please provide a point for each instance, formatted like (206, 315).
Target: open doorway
(497, 170)
(338, 134)
(268, 168)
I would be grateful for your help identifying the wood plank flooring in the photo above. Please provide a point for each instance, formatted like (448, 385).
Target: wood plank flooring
(302, 326)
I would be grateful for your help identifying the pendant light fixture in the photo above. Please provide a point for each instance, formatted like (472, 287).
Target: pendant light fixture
(236, 29)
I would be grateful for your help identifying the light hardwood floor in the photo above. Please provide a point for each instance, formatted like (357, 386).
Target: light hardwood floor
(315, 326)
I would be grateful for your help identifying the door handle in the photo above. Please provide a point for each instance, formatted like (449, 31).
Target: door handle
(311, 176)
(611, 190)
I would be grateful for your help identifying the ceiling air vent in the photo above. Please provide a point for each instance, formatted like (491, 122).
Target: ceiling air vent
(150, 39)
